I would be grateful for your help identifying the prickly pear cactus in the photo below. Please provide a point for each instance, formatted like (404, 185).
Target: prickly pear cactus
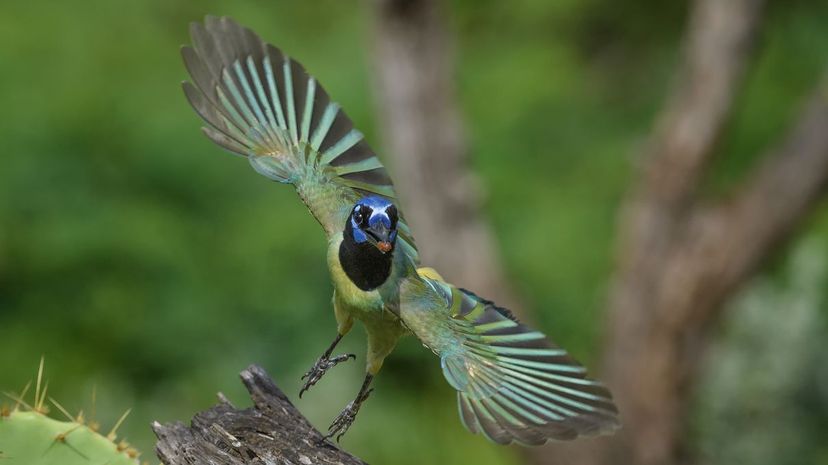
(29, 437)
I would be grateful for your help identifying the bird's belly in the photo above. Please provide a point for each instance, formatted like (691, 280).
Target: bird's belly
(361, 304)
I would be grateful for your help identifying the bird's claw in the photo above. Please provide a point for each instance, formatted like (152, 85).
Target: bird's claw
(319, 368)
(346, 418)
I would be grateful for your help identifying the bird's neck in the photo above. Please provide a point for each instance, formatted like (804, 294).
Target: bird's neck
(364, 264)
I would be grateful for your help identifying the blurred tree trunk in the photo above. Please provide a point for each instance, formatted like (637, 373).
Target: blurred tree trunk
(424, 139)
(680, 256)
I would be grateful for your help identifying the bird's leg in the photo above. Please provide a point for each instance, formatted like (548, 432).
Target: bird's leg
(345, 419)
(323, 364)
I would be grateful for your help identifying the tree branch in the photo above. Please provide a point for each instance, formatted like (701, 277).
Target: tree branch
(770, 205)
(666, 261)
(720, 44)
(272, 431)
(681, 259)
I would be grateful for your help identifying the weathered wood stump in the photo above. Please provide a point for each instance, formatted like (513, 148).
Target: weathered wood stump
(271, 432)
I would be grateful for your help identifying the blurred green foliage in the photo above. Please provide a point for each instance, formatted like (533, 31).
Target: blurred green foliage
(142, 261)
(764, 395)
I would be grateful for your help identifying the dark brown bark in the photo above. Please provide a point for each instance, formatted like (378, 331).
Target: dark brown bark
(272, 431)
(424, 139)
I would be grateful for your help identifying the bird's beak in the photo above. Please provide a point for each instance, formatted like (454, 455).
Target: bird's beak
(381, 238)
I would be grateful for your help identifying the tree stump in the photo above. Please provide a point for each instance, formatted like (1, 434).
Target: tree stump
(271, 432)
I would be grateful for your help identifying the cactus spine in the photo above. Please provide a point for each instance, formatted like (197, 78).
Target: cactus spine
(28, 436)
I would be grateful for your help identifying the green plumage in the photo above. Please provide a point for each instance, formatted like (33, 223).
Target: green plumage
(262, 105)
(512, 383)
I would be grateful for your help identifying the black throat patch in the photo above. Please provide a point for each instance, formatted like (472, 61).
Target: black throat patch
(364, 264)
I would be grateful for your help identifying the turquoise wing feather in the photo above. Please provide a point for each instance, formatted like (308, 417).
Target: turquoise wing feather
(512, 383)
(262, 105)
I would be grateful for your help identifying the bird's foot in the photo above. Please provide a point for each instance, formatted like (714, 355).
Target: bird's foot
(346, 418)
(319, 368)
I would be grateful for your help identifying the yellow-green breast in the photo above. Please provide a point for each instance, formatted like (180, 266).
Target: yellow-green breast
(360, 303)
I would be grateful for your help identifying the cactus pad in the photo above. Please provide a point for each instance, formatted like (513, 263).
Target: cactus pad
(29, 437)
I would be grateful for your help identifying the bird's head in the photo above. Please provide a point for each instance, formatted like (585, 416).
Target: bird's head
(374, 220)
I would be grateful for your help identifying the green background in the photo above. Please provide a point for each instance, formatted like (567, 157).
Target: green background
(147, 265)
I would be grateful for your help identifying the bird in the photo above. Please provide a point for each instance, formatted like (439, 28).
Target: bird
(512, 383)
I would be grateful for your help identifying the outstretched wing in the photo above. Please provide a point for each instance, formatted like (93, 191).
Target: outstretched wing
(262, 105)
(512, 383)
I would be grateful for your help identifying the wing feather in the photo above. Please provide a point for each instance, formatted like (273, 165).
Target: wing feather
(512, 383)
(261, 104)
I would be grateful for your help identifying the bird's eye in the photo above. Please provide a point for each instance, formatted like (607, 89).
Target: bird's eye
(361, 215)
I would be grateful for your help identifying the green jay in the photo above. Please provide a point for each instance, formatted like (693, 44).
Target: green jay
(512, 382)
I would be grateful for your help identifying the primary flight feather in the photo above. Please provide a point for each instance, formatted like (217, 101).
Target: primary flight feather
(512, 383)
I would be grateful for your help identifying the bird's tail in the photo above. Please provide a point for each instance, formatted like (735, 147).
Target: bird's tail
(514, 384)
